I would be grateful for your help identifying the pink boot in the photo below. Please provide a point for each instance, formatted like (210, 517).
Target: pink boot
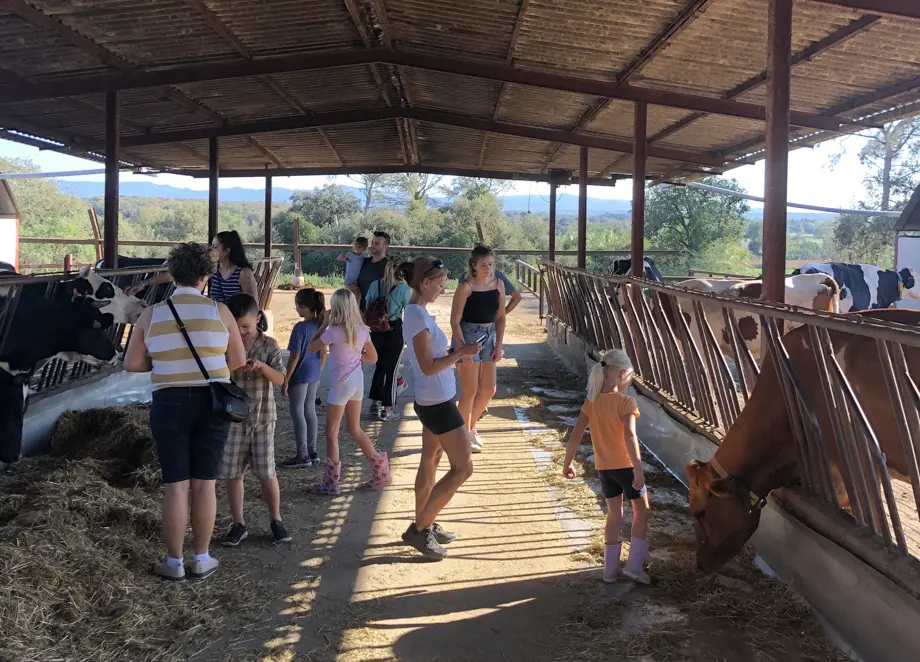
(331, 483)
(635, 564)
(611, 563)
(380, 465)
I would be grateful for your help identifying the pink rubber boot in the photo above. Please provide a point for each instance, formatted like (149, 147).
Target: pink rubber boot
(612, 567)
(380, 465)
(635, 564)
(331, 483)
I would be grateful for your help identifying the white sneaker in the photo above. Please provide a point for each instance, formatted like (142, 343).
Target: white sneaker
(202, 569)
(401, 386)
(476, 443)
(173, 573)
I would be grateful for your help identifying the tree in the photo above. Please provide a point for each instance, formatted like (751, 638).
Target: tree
(404, 188)
(472, 187)
(691, 220)
(754, 234)
(328, 205)
(371, 185)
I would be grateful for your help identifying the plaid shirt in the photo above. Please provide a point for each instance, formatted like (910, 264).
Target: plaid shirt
(261, 392)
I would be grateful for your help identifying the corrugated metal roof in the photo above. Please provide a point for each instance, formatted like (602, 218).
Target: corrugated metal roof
(845, 58)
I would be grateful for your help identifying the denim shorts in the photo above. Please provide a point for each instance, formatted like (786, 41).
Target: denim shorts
(471, 332)
(189, 436)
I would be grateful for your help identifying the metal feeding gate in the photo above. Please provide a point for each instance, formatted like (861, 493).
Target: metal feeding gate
(707, 384)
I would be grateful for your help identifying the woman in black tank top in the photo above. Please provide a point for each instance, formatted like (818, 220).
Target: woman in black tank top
(478, 315)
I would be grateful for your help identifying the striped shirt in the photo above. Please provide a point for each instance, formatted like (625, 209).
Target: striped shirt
(173, 363)
(222, 289)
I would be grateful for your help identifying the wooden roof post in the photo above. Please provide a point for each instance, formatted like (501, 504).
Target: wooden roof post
(552, 221)
(268, 215)
(779, 43)
(110, 254)
(583, 208)
(213, 175)
(638, 192)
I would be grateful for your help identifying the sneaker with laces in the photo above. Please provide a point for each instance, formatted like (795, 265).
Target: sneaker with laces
(279, 533)
(391, 415)
(172, 573)
(202, 569)
(237, 534)
(297, 463)
(401, 386)
(425, 542)
(476, 443)
(442, 536)
(315, 461)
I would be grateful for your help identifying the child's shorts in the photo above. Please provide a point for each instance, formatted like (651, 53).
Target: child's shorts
(615, 482)
(345, 391)
(253, 445)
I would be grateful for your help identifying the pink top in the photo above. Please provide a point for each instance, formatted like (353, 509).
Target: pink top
(344, 359)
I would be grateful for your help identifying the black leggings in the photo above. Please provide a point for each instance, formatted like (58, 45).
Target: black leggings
(389, 346)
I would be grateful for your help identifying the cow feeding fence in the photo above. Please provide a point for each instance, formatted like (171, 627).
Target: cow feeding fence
(685, 370)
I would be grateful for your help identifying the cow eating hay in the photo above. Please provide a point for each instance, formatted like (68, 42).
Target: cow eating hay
(79, 532)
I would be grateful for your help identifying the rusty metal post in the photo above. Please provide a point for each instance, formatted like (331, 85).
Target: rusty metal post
(779, 44)
(213, 176)
(68, 263)
(268, 216)
(638, 193)
(110, 253)
(552, 221)
(583, 208)
(298, 271)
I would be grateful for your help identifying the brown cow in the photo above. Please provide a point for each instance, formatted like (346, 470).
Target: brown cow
(759, 454)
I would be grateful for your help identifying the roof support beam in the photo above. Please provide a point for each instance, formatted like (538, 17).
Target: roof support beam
(476, 69)
(509, 60)
(906, 8)
(395, 169)
(684, 18)
(110, 242)
(421, 115)
(808, 53)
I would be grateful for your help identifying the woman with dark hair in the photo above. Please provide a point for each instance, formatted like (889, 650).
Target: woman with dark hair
(479, 310)
(234, 272)
(189, 435)
(443, 428)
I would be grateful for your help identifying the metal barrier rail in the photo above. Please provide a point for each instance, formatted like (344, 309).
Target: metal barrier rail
(696, 273)
(531, 280)
(688, 366)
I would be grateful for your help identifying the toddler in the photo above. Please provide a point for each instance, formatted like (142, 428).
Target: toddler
(354, 260)
(612, 415)
(302, 378)
(253, 441)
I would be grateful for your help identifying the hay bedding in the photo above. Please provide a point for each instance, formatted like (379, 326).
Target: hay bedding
(79, 533)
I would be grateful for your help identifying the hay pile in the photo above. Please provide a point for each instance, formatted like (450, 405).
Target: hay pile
(79, 534)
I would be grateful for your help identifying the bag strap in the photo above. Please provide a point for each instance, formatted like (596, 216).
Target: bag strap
(188, 340)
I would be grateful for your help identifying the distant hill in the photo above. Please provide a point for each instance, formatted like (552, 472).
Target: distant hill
(566, 205)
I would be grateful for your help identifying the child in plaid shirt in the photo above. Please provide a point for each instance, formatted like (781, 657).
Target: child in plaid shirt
(253, 442)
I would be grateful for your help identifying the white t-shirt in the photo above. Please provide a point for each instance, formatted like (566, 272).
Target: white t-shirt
(429, 389)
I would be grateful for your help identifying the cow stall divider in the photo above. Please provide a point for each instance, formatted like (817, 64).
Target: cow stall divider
(532, 281)
(706, 386)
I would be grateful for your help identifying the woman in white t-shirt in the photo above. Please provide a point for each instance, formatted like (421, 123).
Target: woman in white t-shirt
(443, 428)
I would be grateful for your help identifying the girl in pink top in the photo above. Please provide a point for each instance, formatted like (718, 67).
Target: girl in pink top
(349, 344)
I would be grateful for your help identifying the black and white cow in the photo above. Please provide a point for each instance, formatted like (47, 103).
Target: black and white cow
(650, 271)
(70, 325)
(866, 286)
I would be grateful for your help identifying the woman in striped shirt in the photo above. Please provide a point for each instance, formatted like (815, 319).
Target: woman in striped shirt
(189, 436)
(234, 272)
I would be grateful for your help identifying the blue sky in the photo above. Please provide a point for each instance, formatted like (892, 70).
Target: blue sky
(811, 179)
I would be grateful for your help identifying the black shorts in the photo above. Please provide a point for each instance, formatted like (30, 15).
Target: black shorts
(441, 418)
(189, 436)
(615, 482)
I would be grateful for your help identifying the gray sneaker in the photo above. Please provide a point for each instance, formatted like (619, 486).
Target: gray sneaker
(172, 573)
(202, 569)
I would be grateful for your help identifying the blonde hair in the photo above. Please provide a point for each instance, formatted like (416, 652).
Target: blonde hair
(616, 360)
(392, 275)
(422, 268)
(344, 312)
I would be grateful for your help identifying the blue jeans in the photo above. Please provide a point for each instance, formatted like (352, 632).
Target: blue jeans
(471, 332)
(302, 398)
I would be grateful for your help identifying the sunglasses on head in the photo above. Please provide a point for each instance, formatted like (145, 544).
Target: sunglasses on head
(437, 265)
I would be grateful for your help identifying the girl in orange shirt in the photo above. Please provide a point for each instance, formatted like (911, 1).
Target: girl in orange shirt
(612, 415)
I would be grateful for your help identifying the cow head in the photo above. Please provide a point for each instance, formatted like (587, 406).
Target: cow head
(122, 308)
(724, 518)
(910, 284)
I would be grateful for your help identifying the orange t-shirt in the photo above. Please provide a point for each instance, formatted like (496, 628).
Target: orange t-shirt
(605, 415)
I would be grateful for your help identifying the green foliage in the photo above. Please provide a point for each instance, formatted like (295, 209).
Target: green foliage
(329, 205)
(693, 221)
(865, 239)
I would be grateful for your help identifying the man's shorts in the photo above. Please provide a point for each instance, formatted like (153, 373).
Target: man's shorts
(253, 445)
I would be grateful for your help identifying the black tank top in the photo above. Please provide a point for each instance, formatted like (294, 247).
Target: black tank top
(481, 307)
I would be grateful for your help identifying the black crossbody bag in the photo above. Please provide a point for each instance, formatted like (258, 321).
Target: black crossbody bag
(228, 400)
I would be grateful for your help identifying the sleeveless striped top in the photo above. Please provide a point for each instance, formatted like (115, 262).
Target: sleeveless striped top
(222, 289)
(173, 363)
